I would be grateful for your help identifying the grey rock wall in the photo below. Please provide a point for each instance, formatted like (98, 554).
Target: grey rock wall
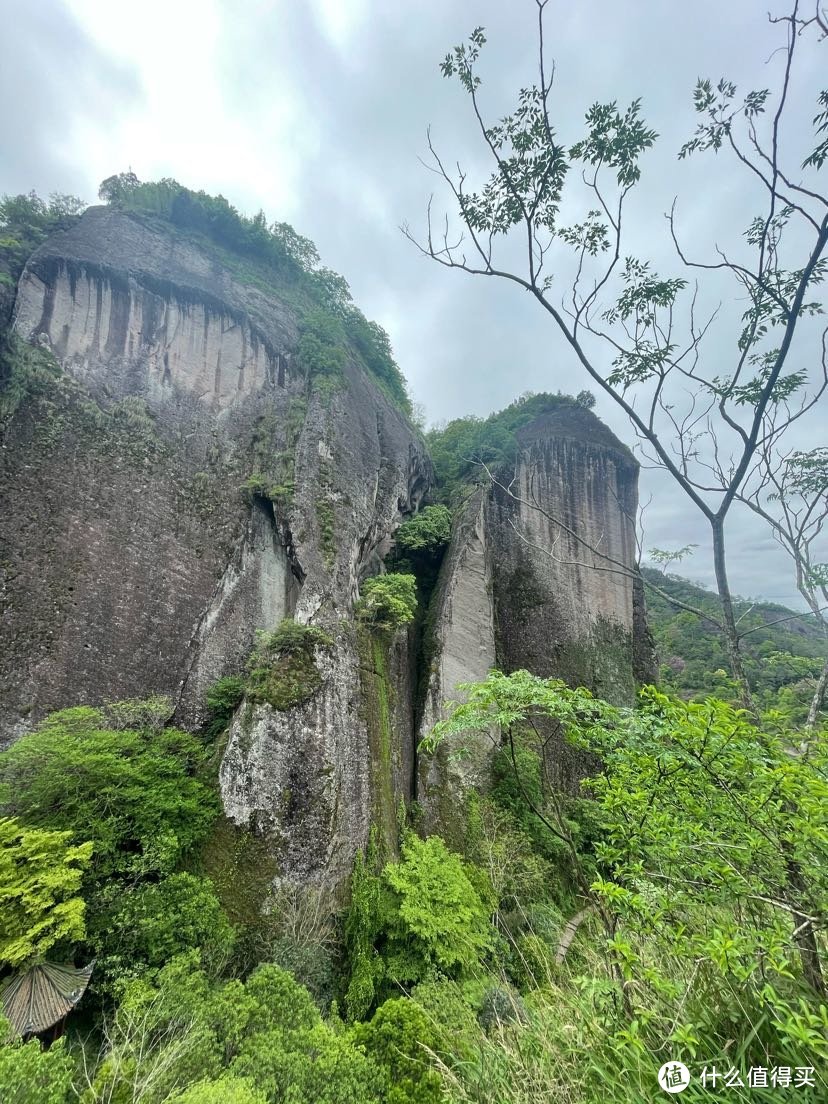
(539, 576)
(133, 563)
(137, 558)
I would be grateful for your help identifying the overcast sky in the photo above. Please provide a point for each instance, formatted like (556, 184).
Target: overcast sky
(316, 111)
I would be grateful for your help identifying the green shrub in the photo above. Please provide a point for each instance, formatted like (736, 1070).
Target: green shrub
(396, 1038)
(40, 875)
(426, 532)
(459, 448)
(185, 1034)
(229, 1090)
(134, 794)
(31, 1075)
(422, 914)
(282, 670)
(388, 601)
(222, 700)
(321, 350)
(148, 925)
(439, 920)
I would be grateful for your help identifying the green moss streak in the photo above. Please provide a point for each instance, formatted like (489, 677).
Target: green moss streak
(376, 712)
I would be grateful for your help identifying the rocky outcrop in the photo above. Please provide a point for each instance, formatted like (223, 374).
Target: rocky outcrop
(177, 487)
(170, 483)
(539, 577)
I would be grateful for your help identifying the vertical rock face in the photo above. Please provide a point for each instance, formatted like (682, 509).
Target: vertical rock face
(176, 484)
(135, 562)
(463, 649)
(539, 577)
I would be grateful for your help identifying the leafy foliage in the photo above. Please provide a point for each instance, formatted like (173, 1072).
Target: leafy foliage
(222, 700)
(134, 793)
(388, 601)
(282, 670)
(439, 919)
(420, 915)
(709, 852)
(40, 875)
(263, 1039)
(460, 447)
(31, 1075)
(152, 923)
(26, 221)
(321, 345)
(428, 531)
(783, 653)
(396, 1038)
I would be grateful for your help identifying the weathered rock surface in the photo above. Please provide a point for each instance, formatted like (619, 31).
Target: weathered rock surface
(132, 561)
(539, 576)
(179, 484)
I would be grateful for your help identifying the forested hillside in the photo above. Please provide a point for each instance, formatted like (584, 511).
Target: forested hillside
(784, 650)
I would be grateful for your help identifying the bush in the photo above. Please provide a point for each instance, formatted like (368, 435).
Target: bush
(388, 601)
(185, 1034)
(321, 348)
(427, 532)
(223, 699)
(230, 1090)
(40, 875)
(31, 1075)
(153, 923)
(459, 448)
(397, 1037)
(422, 914)
(439, 919)
(133, 794)
(282, 670)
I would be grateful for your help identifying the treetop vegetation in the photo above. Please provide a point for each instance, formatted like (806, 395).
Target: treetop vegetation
(784, 653)
(460, 447)
(388, 601)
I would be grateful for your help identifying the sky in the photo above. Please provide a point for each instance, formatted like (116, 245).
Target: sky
(316, 111)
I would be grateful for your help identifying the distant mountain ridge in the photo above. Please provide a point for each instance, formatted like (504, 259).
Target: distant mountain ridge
(784, 649)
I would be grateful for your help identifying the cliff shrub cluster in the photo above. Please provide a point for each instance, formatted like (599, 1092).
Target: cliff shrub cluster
(461, 446)
(427, 533)
(388, 601)
(282, 670)
(113, 813)
(291, 258)
(422, 915)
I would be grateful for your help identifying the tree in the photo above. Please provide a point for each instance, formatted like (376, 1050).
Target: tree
(427, 532)
(40, 875)
(115, 189)
(711, 835)
(790, 492)
(388, 601)
(134, 793)
(700, 421)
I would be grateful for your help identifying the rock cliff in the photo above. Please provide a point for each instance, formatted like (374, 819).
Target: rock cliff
(172, 480)
(539, 576)
(179, 485)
